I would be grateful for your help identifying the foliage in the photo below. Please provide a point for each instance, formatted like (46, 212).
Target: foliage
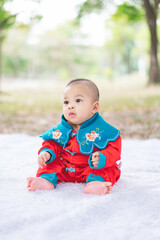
(62, 54)
(88, 6)
(58, 54)
(16, 52)
(6, 20)
(124, 45)
(128, 13)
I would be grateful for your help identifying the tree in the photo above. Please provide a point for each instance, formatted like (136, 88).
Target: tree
(7, 20)
(132, 11)
(151, 9)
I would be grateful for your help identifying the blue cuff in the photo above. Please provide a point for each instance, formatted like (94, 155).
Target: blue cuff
(102, 161)
(53, 155)
(93, 177)
(52, 177)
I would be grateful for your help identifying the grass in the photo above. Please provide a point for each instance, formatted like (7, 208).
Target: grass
(36, 101)
(135, 109)
(131, 103)
(29, 102)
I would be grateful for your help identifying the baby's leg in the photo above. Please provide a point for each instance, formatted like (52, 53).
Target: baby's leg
(97, 187)
(35, 183)
(46, 178)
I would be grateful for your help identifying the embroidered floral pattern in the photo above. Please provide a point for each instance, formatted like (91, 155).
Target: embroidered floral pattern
(92, 136)
(56, 134)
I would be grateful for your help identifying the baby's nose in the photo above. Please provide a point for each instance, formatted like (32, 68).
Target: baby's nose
(70, 106)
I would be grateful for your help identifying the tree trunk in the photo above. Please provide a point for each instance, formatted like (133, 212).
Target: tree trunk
(151, 15)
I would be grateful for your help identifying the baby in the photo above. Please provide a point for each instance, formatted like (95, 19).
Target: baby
(82, 148)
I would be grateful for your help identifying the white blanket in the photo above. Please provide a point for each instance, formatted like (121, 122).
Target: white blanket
(131, 212)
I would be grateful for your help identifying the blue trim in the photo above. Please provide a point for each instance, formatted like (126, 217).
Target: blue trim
(53, 155)
(64, 128)
(104, 133)
(102, 161)
(52, 177)
(73, 134)
(93, 177)
(65, 123)
(100, 131)
(72, 153)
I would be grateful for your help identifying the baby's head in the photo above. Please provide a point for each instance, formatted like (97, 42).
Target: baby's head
(81, 101)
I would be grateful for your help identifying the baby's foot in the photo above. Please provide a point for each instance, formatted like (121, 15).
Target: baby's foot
(97, 187)
(38, 183)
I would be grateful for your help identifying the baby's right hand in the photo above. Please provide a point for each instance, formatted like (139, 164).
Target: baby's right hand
(43, 157)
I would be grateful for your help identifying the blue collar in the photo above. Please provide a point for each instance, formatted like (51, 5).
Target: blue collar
(93, 132)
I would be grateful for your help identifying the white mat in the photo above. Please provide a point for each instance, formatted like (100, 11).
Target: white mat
(131, 212)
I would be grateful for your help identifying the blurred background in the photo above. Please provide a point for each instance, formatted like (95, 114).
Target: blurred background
(46, 43)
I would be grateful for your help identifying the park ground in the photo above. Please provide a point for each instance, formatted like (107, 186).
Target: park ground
(134, 108)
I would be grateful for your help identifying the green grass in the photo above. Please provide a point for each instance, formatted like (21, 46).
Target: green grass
(29, 102)
(130, 98)
(37, 101)
(130, 103)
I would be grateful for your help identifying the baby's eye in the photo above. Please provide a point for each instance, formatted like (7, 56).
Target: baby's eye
(78, 100)
(66, 102)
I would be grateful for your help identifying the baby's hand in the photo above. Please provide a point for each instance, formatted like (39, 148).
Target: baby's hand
(95, 159)
(43, 157)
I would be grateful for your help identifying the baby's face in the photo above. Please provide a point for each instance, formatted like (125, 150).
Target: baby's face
(78, 104)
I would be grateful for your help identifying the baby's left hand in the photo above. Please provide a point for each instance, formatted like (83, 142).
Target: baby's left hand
(95, 159)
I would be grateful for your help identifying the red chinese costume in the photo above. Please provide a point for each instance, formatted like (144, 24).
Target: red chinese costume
(71, 152)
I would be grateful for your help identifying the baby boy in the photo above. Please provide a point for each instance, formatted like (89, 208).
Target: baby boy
(82, 148)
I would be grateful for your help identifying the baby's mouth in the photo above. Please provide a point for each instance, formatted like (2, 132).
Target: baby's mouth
(72, 114)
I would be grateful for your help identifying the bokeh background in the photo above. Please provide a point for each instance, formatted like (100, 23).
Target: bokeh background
(46, 43)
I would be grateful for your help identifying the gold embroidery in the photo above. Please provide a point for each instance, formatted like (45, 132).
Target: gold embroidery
(82, 143)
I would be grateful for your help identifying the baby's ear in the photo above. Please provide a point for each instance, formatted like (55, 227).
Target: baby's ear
(95, 107)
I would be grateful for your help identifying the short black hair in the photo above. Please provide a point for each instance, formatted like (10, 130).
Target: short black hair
(90, 84)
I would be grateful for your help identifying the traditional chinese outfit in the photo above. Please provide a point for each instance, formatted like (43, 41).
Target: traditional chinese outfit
(71, 152)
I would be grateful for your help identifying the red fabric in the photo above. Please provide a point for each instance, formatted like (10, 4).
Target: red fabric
(79, 162)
